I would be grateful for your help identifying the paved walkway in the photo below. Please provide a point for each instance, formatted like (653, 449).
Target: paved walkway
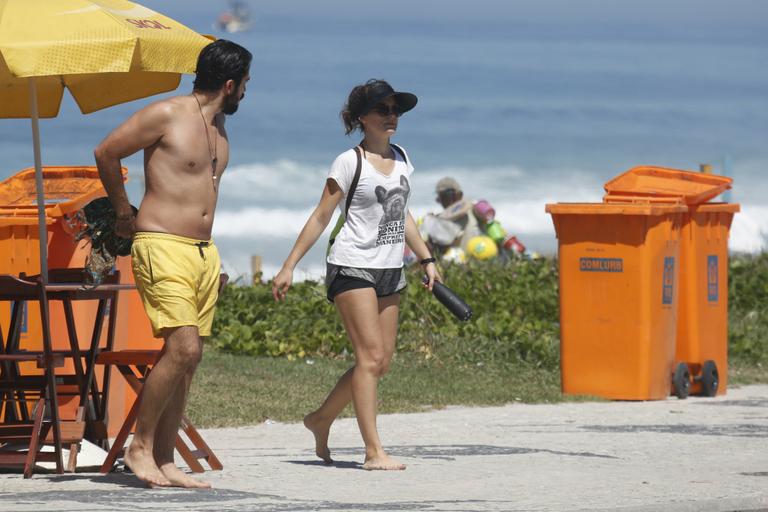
(676, 455)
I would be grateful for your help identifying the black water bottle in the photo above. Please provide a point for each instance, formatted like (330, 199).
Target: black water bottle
(450, 300)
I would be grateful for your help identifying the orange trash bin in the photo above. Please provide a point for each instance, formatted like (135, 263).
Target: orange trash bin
(619, 267)
(702, 325)
(701, 353)
(67, 190)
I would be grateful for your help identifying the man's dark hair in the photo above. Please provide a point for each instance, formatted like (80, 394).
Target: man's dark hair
(220, 61)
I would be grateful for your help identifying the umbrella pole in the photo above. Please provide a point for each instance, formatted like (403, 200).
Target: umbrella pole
(42, 229)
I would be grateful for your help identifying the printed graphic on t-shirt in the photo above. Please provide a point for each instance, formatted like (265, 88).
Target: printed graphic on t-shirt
(392, 224)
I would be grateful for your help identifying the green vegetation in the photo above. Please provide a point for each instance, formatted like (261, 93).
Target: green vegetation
(515, 318)
(516, 314)
(508, 352)
(748, 310)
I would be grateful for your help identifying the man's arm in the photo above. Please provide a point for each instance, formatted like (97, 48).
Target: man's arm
(140, 131)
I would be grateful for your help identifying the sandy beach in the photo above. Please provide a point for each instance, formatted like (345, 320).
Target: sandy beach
(703, 454)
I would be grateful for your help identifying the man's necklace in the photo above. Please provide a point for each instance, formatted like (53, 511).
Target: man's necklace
(211, 151)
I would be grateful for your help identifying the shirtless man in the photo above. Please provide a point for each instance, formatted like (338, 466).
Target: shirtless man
(175, 264)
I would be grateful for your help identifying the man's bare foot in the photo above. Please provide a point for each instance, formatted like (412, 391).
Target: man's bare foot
(320, 431)
(383, 463)
(142, 463)
(178, 478)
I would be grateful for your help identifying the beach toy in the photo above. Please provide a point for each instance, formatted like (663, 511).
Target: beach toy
(484, 211)
(496, 232)
(482, 247)
(511, 243)
(455, 255)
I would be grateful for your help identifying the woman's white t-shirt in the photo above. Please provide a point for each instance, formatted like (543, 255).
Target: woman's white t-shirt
(373, 236)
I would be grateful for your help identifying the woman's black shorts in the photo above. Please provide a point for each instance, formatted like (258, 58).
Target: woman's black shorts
(385, 281)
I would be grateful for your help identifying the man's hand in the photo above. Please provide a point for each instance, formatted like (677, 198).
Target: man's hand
(125, 227)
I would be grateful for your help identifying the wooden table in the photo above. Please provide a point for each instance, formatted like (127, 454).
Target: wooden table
(92, 397)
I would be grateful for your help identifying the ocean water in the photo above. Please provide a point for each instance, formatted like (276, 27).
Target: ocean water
(521, 112)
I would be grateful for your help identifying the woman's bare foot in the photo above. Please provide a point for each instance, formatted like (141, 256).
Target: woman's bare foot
(178, 478)
(382, 463)
(321, 432)
(142, 463)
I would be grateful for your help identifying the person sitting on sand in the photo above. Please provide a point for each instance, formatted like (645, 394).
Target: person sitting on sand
(456, 224)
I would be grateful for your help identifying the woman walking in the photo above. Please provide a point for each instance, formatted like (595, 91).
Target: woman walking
(371, 185)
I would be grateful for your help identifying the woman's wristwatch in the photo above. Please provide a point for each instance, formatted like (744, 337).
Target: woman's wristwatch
(427, 261)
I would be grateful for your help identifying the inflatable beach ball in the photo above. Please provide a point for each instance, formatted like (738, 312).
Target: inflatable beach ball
(482, 247)
(455, 255)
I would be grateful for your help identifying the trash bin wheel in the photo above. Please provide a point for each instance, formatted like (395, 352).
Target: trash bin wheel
(710, 379)
(681, 381)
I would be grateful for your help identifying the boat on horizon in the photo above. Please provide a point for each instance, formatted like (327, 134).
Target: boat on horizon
(235, 19)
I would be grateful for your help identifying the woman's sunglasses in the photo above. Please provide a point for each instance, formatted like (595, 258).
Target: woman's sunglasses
(385, 110)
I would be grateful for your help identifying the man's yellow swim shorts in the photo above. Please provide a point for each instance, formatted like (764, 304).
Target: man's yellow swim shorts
(177, 279)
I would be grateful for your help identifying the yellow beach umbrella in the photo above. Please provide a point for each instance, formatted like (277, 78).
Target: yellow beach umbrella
(105, 52)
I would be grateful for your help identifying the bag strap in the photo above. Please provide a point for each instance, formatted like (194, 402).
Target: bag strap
(350, 193)
(401, 151)
(355, 180)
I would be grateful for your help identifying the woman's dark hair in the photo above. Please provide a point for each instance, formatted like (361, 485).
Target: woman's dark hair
(220, 61)
(357, 101)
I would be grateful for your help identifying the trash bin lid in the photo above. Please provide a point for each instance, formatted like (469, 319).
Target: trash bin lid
(717, 208)
(649, 209)
(660, 184)
(13, 219)
(627, 199)
(67, 189)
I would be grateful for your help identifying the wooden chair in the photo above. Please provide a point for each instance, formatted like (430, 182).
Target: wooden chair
(134, 366)
(20, 392)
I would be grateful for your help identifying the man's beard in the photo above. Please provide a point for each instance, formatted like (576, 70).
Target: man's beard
(231, 103)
